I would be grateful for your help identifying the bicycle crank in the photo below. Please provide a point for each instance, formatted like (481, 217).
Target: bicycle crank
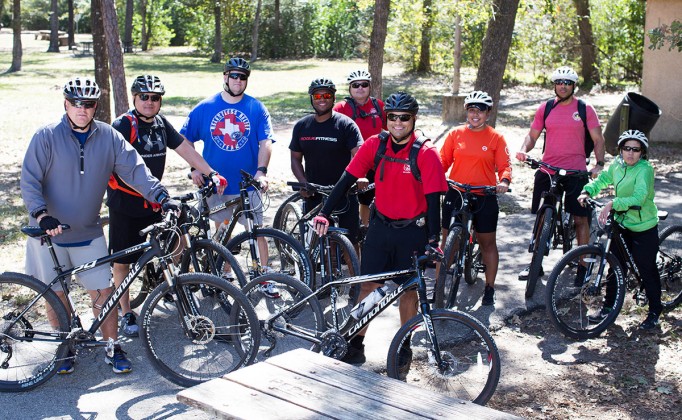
(334, 345)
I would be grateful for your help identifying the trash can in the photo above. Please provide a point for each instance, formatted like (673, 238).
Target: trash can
(643, 114)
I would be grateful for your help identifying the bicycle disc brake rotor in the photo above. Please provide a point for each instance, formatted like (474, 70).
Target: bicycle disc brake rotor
(450, 365)
(202, 329)
(334, 345)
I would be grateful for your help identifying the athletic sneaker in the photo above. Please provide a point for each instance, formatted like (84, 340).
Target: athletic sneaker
(355, 355)
(129, 325)
(599, 316)
(488, 296)
(119, 362)
(523, 275)
(269, 290)
(404, 360)
(650, 322)
(67, 365)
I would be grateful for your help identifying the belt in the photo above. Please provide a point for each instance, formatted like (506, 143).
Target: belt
(419, 221)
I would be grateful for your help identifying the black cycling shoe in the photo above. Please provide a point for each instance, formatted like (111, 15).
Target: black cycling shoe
(355, 355)
(650, 322)
(488, 296)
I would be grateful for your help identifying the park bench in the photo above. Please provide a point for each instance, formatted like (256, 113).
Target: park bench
(303, 384)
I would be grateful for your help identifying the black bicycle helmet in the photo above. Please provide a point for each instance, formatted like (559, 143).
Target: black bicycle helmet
(239, 64)
(401, 101)
(83, 89)
(321, 83)
(147, 84)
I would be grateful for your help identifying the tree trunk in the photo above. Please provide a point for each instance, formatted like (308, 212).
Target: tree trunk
(218, 41)
(17, 50)
(376, 45)
(116, 69)
(588, 50)
(424, 65)
(278, 29)
(495, 51)
(128, 31)
(457, 56)
(72, 37)
(54, 28)
(254, 33)
(143, 30)
(99, 50)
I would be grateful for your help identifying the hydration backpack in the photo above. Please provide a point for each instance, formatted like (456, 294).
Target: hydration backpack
(582, 112)
(412, 160)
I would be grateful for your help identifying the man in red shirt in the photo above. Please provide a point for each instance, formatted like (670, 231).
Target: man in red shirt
(407, 216)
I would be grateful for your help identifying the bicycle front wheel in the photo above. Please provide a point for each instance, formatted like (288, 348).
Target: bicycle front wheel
(208, 256)
(669, 262)
(31, 343)
(541, 243)
(279, 221)
(208, 331)
(470, 362)
(447, 283)
(575, 304)
(290, 219)
(568, 233)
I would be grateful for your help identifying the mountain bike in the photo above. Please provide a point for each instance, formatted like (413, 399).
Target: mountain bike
(195, 326)
(443, 350)
(577, 284)
(553, 226)
(462, 257)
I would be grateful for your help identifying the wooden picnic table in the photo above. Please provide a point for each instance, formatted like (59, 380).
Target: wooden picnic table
(302, 384)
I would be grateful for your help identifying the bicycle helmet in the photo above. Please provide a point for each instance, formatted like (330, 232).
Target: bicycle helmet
(356, 75)
(147, 84)
(401, 101)
(84, 89)
(478, 97)
(239, 64)
(564, 72)
(321, 83)
(633, 135)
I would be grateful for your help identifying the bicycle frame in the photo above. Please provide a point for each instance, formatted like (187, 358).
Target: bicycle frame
(552, 199)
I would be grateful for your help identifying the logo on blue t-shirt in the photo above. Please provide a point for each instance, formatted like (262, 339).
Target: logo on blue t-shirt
(230, 129)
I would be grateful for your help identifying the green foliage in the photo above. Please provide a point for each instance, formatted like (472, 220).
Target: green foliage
(666, 34)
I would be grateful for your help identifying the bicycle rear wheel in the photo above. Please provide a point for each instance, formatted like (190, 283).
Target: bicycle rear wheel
(541, 243)
(216, 333)
(272, 295)
(208, 256)
(31, 349)
(278, 222)
(669, 262)
(470, 367)
(447, 283)
(473, 261)
(574, 304)
(290, 219)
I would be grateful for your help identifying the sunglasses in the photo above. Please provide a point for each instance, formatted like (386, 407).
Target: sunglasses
(237, 76)
(318, 96)
(82, 104)
(564, 82)
(632, 149)
(401, 117)
(145, 97)
(358, 85)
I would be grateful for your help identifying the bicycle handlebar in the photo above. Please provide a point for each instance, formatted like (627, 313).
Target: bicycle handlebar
(535, 164)
(488, 189)
(310, 187)
(250, 180)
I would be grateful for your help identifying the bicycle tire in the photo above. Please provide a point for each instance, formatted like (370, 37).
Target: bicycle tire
(290, 219)
(306, 319)
(473, 260)
(285, 255)
(669, 263)
(541, 243)
(143, 284)
(218, 335)
(208, 256)
(445, 293)
(473, 360)
(345, 263)
(572, 303)
(568, 234)
(29, 363)
(277, 222)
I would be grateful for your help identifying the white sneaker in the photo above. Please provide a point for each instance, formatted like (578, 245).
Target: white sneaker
(269, 290)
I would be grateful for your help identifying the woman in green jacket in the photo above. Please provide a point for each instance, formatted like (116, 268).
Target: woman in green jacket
(632, 176)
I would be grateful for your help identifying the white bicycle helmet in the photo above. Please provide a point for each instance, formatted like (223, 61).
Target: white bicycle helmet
(633, 135)
(359, 75)
(478, 97)
(564, 72)
(83, 89)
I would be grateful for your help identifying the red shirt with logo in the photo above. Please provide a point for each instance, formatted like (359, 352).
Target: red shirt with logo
(398, 193)
(372, 123)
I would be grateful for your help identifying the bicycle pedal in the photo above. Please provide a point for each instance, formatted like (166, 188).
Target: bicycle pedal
(480, 268)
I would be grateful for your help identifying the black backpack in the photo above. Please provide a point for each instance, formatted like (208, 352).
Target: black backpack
(350, 101)
(582, 112)
(412, 160)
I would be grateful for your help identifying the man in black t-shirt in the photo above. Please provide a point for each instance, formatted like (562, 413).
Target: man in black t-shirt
(151, 135)
(327, 141)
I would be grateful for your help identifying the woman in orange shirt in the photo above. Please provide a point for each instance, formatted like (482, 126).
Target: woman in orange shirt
(476, 154)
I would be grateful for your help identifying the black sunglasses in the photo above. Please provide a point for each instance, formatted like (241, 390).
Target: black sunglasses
(145, 97)
(357, 85)
(632, 149)
(564, 82)
(401, 117)
(237, 76)
(82, 104)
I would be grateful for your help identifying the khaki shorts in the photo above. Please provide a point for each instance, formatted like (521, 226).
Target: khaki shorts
(226, 214)
(39, 263)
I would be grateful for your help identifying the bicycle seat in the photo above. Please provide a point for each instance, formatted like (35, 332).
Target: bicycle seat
(37, 231)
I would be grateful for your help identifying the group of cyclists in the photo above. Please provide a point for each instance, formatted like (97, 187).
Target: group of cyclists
(69, 165)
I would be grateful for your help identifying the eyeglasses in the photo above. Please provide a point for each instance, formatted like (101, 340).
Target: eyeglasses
(235, 76)
(401, 117)
(564, 82)
(145, 97)
(358, 85)
(318, 96)
(82, 104)
(632, 149)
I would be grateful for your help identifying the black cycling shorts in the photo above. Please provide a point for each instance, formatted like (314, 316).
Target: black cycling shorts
(124, 232)
(572, 185)
(484, 214)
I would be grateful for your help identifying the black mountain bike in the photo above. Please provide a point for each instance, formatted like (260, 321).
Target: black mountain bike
(577, 285)
(195, 327)
(444, 350)
(553, 226)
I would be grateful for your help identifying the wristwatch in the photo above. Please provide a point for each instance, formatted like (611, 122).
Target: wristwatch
(600, 163)
(263, 169)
